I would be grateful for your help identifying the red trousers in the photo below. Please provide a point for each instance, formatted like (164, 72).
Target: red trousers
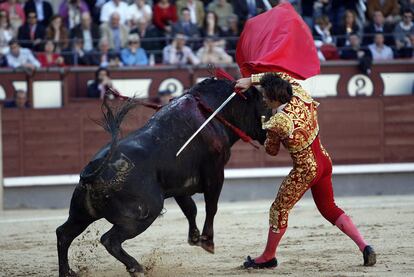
(312, 168)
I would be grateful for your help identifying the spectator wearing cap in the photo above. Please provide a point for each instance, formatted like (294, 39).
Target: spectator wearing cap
(139, 10)
(134, 54)
(115, 32)
(165, 15)
(223, 10)
(31, 33)
(19, 101)
(164, 97)
(19, 57)
(178, 53)
(378, 25)
(379, 50)
(212, 54)
(112, 6)
(404, 29)
(196, 9)
(43, 10)
(87, 31)
(15, 13)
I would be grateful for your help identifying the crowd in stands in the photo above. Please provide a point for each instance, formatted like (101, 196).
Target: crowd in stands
(147, 32)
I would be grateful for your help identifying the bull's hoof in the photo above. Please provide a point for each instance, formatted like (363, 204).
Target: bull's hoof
(194, 238)
(136, 271)
(69, 273)
(207, 244)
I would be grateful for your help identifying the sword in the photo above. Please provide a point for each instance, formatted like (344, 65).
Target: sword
(206, 122)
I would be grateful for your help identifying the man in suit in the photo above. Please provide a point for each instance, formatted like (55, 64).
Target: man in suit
(245, 9)
(87, 31)
(186, 27)
(31, 34)
(115, 32)
(43, 9)
(378, 25)
(196, 9)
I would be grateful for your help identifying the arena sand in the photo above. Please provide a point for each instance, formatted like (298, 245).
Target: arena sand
(311, 246)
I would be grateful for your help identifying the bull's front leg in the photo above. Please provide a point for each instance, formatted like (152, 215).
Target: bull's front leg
(212, 192)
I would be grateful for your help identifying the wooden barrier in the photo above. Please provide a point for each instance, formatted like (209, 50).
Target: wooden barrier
(62, 141)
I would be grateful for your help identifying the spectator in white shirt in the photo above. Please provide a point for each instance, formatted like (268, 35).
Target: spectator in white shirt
(19, 57)
(379, 50)
(210, 53)
(137, 11)
(178, 53)
(114, 6)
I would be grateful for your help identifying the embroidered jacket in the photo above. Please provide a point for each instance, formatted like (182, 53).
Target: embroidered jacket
(295, 124)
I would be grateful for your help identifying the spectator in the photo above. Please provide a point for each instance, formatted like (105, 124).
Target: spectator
(164, 97)
(211, 28)
(178, 53)
(338, 9)
(105, 57)
(71, 12)
(195, 8)
(404, 29)
(232, 34)
(186, 27)
(101, 83)
(42, 9)
(134, 54)
(354, 51)
(150, 35)
(112, 6)
(408, 50)
(212, 54)
(244, 9)
(165, 15)
(389, 9)
(57, 32)
(31, 33)
(76, 55)
(348, 26)
(407, 4)
(223, 10)
(19, 57)
(87, 31)
(6, 32)
(137, 11)
(379, 50)
(378, 26)
(322, 30)
(19, 101)
(115, 32)
(15, 13)
(49, 58)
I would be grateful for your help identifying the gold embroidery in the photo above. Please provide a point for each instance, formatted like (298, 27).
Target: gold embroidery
(325, 152)
(292, 188)
(281, 124)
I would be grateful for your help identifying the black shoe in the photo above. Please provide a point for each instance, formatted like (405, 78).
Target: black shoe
(250, 263)
(370, 257)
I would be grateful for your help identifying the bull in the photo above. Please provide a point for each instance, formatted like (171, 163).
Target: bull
(127, 181)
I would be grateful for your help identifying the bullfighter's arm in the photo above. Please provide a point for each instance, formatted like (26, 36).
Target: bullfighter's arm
(278, 127)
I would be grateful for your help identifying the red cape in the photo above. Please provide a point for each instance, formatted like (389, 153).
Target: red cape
(277, 41)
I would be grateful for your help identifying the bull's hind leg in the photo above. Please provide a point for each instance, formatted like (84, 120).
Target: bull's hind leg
(79, 219)
(189, 209)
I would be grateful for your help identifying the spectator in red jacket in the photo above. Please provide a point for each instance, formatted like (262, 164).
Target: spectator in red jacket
(165, 15)
(49, 58)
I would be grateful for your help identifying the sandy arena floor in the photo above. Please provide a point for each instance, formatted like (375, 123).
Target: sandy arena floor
(311, 246)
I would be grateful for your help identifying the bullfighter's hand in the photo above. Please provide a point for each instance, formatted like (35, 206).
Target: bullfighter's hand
(243, 84)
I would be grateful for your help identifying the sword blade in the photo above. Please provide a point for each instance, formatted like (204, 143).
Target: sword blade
(205, 123)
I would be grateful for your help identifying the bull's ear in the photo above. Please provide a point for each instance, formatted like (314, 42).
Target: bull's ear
(92, 168)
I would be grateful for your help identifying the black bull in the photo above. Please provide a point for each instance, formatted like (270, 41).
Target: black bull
(127, 180)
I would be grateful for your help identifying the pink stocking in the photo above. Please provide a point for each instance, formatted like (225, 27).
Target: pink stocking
(273, 240)
(345, 224)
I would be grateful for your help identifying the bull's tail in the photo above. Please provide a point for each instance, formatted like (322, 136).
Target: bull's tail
(111, 123)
